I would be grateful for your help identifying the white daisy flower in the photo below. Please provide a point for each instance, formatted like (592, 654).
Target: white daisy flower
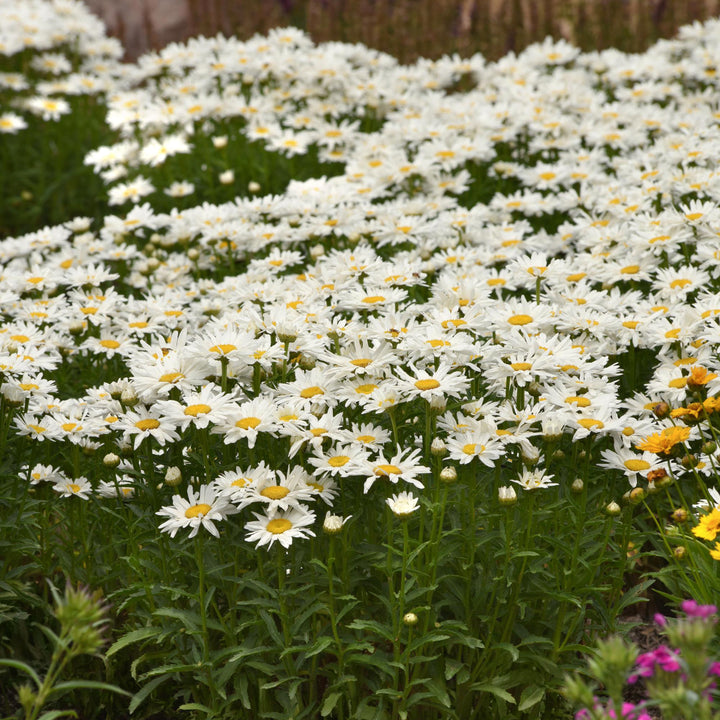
(204, 507)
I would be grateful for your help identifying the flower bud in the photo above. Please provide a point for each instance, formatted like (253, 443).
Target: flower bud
(448, 474)
(254, 187)
(129, 397)
(530, 456)
(220, 141)
(437, 447)
(680, 515)
(661, 410)
(333, 524)
(709, 447)
(410, 619)
(507, 495)
(577, 485)
(227, 177)
(173, 476)
(689, 461)
(613, 509)
(193, 254)
(637, 495)
(679, 552)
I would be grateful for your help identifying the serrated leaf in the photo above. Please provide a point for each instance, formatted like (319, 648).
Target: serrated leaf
(452, 667)
(132, 637)
(494, 690)
(139, 697)
(530, 696)
(329, 704)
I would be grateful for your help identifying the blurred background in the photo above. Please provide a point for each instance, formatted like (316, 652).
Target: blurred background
(409, 29)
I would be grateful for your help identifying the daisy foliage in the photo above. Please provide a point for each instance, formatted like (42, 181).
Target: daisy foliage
(387, 420)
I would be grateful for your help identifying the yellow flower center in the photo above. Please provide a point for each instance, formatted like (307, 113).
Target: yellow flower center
(366, 388)
(383, 470)
(195, 410)
(338, 461)
(361, 362)
(371, 299)
(311, 392)
(520, 366)
(275, 492)
(138, 324)
(171, 377)
(37, 428)
(636, 465)
(29, 386)
(69, 426)
(365, 438)
(201, 509)
(520, 319)
(73, 487)
(248, 423)
(19, 338)
(110, 344)
(278, 526)
(577, 400)
(223, 349)
(589, 423)
(427, 384)
(147, 424)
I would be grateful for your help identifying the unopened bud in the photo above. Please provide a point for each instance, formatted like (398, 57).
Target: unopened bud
(254, 187)
(637, 495)
(193, 254)
(709, 447)
(173, 476)
(507, 495)
(577, 485)
(410, 619)
(333, 524)
(129, 397)
(76, 328)
(220, 141)
(437, 447)
(111, 460)
(448, 474)
(317, 251)
(613, 509)
(534, 389)
(558, 455)
(679, 552)
(530, 456)
(689, 461)
(680, 515)
(661, 410)
(438, 403)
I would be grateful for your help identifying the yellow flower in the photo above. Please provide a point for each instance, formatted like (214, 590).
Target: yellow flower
(715, 552)
(709, 526)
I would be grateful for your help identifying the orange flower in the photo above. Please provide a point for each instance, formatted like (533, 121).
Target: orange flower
(662, 443)
(699, 376)
(711, 404)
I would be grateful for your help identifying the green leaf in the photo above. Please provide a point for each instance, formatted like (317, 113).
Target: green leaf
(373, 626)
(196, 706)
(24, 668)
(88, 685)
(494, 690)
(132, 637)
(139, 697)
(52, 714)
(329, 704)
(514, 652)
(530, 696)
(452, 667)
